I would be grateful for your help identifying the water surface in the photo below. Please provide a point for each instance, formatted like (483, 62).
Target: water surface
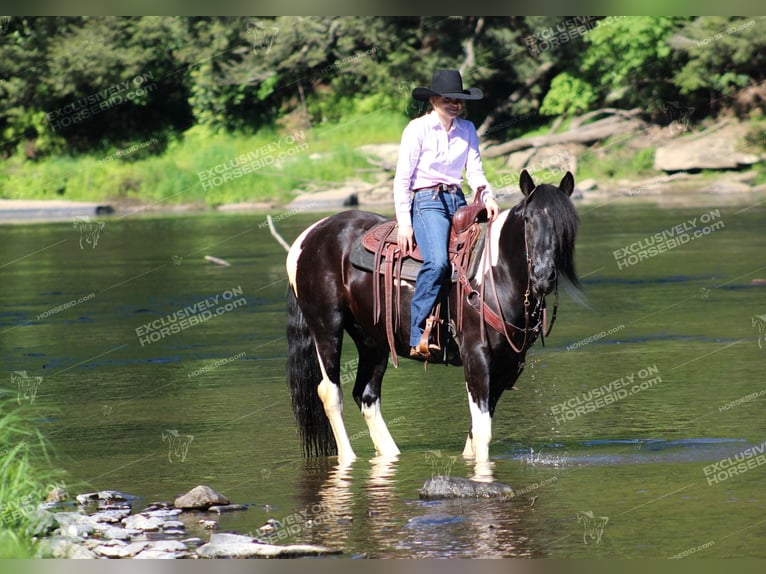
(209, 403)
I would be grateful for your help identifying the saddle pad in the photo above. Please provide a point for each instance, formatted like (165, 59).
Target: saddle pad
(364, 260)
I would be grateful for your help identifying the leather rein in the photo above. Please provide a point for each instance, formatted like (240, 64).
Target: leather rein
(495, 319)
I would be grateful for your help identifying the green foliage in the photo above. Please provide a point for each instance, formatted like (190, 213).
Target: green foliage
(239, 77)
(724, 55)
(567, 95)
(628, 57)
(621, 162)
(320, 158)
(25, 479)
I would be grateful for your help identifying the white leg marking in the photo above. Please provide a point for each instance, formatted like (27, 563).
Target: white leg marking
(294, 254)
(493, 244)
(332, 400)
(381, 437)
(481, 429)
(468, 449)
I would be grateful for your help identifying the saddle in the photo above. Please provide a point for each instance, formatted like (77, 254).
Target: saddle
(465, 244)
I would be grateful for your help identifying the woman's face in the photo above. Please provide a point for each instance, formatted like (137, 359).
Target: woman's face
(447, 107)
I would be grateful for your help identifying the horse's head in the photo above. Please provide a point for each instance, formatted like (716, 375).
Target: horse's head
(550, 227)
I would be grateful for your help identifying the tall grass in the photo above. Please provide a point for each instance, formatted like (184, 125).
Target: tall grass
(26, 476)
(291, 159)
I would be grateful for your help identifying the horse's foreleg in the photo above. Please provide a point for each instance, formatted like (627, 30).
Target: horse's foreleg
(379, 433)
(332, 400)
(477, 444)
(372, 366)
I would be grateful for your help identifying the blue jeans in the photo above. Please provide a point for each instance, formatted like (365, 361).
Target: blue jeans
(431, 220)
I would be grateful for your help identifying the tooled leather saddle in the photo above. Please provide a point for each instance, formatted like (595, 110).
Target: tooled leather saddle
(379, 252)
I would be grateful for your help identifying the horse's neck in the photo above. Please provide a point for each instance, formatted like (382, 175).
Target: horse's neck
(512, 271)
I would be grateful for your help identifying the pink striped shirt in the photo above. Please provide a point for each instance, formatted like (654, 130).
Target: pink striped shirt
(430, 155)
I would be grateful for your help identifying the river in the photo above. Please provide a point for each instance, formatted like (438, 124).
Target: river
(638, 431)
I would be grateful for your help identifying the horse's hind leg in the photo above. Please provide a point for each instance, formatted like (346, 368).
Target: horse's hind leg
(328, 345)
(373, 361)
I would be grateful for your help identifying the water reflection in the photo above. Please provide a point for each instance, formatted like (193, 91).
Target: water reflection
(358, 506)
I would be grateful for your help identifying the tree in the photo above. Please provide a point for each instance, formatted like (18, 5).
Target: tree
(726, 57)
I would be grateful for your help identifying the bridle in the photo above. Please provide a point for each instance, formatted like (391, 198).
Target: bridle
(495, 319)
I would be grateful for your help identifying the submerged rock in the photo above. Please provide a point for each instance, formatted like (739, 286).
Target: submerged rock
(106, 496)
(200, 497)
(454, 487)
(227, 508)
(163, 512)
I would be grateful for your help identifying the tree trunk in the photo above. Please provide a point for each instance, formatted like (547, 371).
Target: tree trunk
(625, 121)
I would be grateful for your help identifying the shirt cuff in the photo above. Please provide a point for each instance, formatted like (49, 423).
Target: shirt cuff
(487, 192)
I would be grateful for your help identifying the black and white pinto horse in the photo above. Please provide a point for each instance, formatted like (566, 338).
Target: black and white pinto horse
(530, 247)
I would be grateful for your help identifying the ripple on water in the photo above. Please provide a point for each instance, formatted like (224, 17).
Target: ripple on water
(608, 452)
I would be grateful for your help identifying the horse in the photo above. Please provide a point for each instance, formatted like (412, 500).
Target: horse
(527, 249)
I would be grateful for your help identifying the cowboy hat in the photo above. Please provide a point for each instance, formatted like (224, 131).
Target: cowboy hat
(448, 84)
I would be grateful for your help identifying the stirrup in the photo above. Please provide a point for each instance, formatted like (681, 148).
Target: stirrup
(424, 347)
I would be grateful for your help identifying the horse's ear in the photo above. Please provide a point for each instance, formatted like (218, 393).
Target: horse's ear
(526, 183)
(567, 183)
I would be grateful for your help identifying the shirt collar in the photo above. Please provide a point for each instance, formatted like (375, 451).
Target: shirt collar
(434, 123)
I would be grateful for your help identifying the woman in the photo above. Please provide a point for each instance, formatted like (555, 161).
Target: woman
(435, 150)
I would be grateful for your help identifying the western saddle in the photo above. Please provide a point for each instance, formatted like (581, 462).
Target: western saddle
(466, 241)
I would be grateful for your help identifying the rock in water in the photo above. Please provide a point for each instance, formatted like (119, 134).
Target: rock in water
(239, 546)
(227, 508)
(141, 522)
(454, 487)
(200, 497)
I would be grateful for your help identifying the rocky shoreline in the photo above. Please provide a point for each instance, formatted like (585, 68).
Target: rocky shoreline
(714, 167)
(106, 526)
(675, 190)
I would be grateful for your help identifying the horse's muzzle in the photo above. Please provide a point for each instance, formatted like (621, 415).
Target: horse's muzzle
(543, 280)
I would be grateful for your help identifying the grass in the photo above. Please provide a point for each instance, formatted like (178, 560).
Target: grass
(617, 162)
(319, 157)
(26, 476)
(280, 162)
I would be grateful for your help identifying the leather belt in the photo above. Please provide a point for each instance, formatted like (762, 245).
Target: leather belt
(442, 187)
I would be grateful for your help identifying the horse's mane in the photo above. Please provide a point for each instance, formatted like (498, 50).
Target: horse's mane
(565, 220)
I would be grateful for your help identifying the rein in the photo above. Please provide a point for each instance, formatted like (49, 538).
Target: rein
(496, 320)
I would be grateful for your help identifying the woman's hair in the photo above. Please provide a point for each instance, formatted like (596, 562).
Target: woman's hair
(429, 106)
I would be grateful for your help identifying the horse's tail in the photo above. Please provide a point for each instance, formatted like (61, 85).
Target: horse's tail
(303, 378)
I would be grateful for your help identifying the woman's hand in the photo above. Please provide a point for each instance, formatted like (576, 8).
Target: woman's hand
(405, 238)
(493, 210)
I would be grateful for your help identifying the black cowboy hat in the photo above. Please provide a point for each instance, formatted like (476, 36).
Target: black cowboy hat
(449, 84)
